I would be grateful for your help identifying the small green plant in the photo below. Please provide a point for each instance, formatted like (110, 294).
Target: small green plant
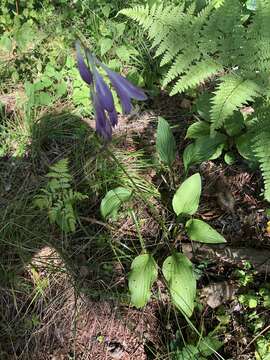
(201, 350)
(58, 197)
(177, 269)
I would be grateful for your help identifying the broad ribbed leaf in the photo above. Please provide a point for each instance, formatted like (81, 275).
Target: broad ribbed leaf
(165, 145)
(203, 149)
(200, 231)
(112, 201)
(141, 278)
(198, 129)
(229, 158)
(187, 197)
(178, 272)
(244, 146)
(234, 124)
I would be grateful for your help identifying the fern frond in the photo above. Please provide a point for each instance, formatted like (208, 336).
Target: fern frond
(217, 3)
(58, 197)
(232, 93)
(197, 74)
(261, 146)
(140, 14)
(181, 63)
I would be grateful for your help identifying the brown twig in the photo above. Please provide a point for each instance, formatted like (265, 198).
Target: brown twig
(256, 337)
(17, 6)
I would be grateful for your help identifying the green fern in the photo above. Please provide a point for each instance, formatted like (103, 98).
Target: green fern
(261, 146)
(232, 93)
(197, 74)
(196, 46)
(58, 198)
(214, 43)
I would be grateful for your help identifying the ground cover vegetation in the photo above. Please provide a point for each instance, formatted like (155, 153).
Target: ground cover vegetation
(134, 179)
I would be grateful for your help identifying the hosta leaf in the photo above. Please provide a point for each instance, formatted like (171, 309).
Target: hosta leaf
(203, 149)
(165, 144)
(178, 272)
(234, 124)
(112, 201)
(200, 231)
(198, 129)
(141, 278)
(229, 158)
(187, 197)
(243, 145)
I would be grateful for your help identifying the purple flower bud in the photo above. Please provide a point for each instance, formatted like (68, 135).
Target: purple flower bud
(103, 127)
(106, 115)
(124, 86)
(113, 117)
(85, 73)
(103, 92)
(124, 99)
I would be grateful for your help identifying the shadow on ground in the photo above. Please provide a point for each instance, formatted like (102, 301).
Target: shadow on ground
(64, 295)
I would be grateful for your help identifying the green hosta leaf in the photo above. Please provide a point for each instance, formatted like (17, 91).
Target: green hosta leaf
(112, 201)
(165, 145)
(198, 129)
(200, 231)
(187, 197)
(243, 144)
(218, 152)
(141, 278)
(203, 149)
(234, 124)
(178, 272)
(229, 158)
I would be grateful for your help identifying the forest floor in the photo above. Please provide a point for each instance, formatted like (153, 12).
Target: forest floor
(65, 297)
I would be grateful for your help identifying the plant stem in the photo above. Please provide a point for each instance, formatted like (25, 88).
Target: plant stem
(17, 6)
(139, 192)
(136, 223)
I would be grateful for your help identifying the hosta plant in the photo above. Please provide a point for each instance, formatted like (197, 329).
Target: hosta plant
(177, 269)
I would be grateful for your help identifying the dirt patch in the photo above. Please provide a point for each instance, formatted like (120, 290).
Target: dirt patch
(70, 323)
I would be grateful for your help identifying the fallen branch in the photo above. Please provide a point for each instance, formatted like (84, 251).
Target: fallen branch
(259, 258)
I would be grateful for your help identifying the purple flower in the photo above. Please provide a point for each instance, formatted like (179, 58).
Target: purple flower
(104, 92)
(85, 73)
(101, 95)
(124, 89)
(103, 127)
